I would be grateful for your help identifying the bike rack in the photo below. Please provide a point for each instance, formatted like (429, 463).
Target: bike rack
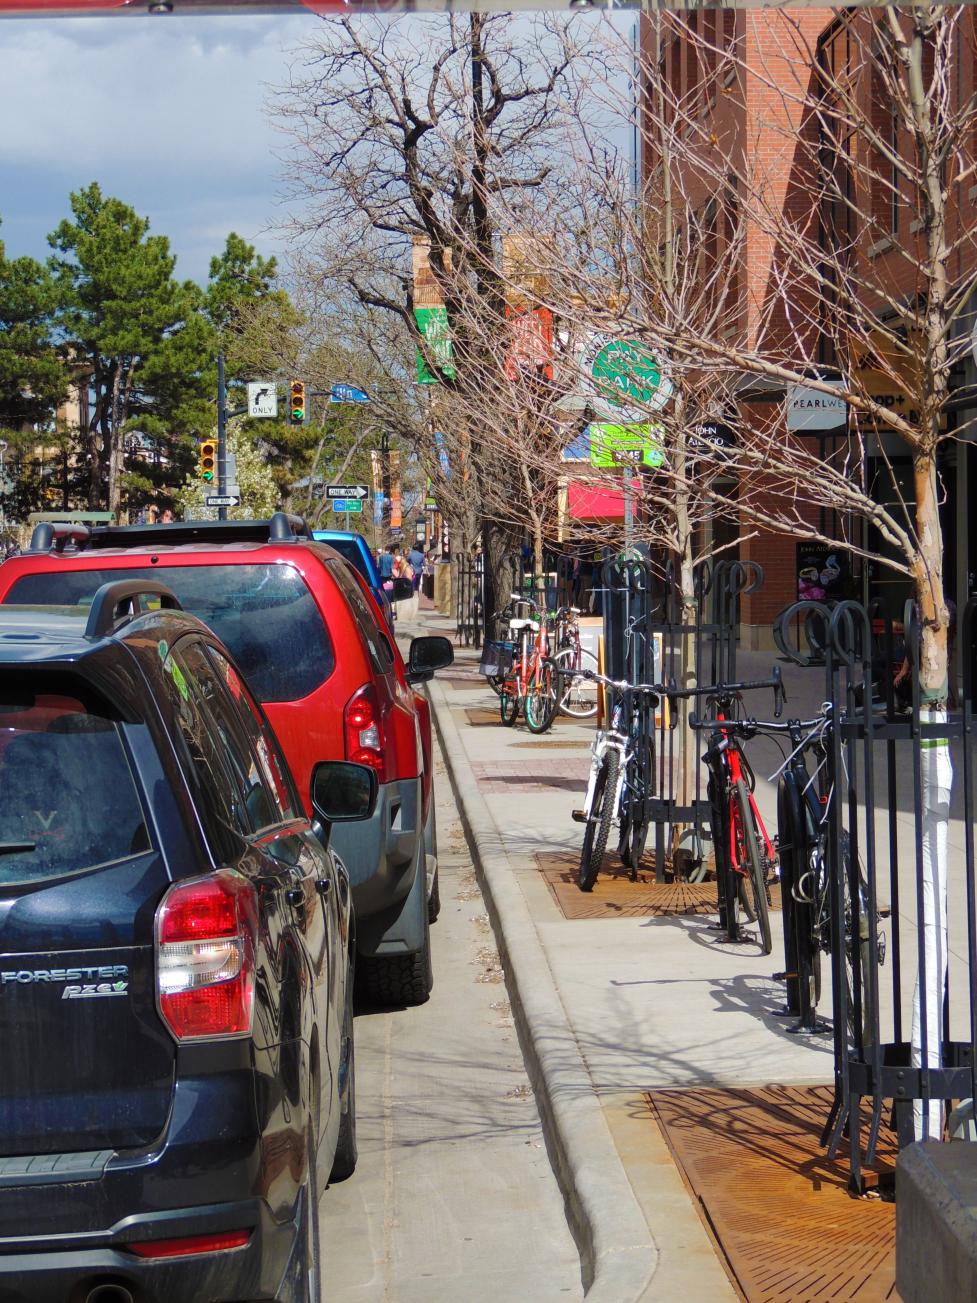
(641, 603)
(901, 1048)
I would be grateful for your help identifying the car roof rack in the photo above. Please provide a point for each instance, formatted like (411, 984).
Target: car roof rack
(106, 614)
(58, 536)
(280, 528)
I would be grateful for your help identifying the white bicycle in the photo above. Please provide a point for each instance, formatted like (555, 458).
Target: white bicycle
(622, 778)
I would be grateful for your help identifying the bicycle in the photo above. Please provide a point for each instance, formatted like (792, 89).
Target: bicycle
(572, 659)
(621, 781)
(530, 684)
(804, 806)
(738, 830)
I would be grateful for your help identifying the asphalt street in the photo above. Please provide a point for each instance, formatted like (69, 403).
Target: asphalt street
(454, 1197)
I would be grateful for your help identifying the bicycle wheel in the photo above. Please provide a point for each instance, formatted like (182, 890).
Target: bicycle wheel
(578, 696)
(599, 818)
(643, 788)
(756, 887)
(541, 704)
(859, 942)
(508, 704)
(726, 890)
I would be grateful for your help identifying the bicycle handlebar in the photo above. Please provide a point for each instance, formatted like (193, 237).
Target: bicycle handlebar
(750, 726)
(723, 690)
(648, 689)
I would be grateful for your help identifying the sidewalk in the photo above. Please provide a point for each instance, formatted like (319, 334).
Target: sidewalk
(612, 1008)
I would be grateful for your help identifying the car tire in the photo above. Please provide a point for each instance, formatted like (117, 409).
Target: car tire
(399, 979)
(344, 1162)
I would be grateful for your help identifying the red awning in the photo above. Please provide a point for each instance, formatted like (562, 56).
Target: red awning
(595, 501)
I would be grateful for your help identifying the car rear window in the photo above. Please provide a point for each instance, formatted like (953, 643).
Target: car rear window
(351, 552)
(68, 800)
(264, 614)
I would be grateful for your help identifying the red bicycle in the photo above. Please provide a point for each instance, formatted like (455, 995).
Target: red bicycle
(530, 684)
(745, 854)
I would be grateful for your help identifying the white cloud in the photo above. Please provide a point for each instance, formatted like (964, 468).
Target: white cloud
(166, 113)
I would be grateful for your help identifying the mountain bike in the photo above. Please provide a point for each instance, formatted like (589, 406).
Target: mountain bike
(578, 695)
(745, 854)
(622, 778)
(530, 684)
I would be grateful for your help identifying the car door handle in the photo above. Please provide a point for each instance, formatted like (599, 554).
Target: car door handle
(323, 886)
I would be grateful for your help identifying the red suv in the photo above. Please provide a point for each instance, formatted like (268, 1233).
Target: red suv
(318, 655)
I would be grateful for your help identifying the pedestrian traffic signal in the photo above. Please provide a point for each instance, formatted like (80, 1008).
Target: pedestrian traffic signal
(208, 460)
(296, 407)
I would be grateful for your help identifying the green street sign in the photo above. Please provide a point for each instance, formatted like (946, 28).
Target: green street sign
(615, 445)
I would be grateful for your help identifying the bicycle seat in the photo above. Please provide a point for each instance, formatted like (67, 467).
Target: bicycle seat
(516, 625)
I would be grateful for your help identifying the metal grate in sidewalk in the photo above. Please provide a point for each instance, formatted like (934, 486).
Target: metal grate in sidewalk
(780, 1211)
(616, 896)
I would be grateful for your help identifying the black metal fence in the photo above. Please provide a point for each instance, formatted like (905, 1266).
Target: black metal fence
(901, 877)
(651, 634)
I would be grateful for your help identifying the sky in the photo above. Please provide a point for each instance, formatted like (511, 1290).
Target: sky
(167, 114)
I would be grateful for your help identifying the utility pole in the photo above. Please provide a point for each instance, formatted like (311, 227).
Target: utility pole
(223, 416)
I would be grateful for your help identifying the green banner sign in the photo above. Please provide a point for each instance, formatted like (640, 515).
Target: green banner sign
(433, 325)
(615, 445)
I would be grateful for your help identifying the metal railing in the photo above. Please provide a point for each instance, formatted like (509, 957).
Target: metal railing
(901, 876)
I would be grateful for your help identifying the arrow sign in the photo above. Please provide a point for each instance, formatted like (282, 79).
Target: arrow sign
(358, 492)
(222, 500)
(262, 398)
(347, 394)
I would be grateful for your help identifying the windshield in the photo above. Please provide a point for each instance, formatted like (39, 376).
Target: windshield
(68, 800)
(264, 614)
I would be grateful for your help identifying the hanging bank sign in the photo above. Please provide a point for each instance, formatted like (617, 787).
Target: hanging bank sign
(812, 409)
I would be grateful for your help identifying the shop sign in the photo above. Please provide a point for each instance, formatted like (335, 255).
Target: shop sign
(810, 409)
(710, 436)
(614, 445)
(624, 379)
(433, 325)
(531, 347)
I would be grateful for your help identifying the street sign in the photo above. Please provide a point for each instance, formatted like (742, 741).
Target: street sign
(222, 500)
(358, 492)
(347, 394)
(610, 445)
(347, 505)
(262, 398)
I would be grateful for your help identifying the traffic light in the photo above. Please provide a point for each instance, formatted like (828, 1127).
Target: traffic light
(296, 407)
(208, 460)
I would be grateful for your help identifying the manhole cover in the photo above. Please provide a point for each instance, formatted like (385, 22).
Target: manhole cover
(779, 1209)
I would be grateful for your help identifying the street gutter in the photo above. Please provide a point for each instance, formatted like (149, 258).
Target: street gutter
(618, 1255)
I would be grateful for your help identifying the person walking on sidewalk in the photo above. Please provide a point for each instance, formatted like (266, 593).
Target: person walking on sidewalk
(407, 610)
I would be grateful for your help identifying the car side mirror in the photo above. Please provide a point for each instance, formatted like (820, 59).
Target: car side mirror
(403, 590)
(343, 792)
(427, 655)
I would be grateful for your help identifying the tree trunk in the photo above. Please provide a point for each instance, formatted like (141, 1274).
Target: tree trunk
(499, 545)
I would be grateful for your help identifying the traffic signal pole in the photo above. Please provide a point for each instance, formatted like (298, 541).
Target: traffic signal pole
(221, 434)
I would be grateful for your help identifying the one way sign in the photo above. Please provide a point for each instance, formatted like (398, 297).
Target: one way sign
(356, 491)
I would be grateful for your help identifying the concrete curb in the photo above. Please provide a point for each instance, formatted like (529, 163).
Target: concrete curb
(617, 1252)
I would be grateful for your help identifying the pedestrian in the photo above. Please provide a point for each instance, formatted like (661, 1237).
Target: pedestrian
(167, 517)
(387, 562)
(406, 609)
(416, 558)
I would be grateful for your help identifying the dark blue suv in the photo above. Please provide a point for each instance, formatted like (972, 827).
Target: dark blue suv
(176, 947)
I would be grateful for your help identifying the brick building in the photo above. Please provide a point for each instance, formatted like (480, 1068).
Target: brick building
(723, 81)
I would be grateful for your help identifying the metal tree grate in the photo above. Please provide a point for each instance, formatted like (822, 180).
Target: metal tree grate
(779, 1208)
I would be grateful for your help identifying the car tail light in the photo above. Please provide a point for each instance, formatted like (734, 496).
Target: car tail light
(205, 934)
(364, 730)
(190, 1244)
